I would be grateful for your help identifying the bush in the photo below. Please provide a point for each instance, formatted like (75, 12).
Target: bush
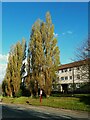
(19, 93)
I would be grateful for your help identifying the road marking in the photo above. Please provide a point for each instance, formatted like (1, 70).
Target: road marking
(20, 108)
(47, 113)
(66, 117)
(43, 117)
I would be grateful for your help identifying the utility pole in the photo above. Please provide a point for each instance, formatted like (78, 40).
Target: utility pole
(73, 81)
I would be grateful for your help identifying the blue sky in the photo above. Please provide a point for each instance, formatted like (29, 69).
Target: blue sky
(69, 18)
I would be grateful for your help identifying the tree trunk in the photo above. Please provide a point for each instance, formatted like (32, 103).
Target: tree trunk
(37, 94)
(31, 95)
(47, 96)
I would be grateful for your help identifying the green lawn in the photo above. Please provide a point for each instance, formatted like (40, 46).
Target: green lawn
(79, 102)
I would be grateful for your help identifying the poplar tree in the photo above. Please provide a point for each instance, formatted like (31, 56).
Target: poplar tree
(7, 87)
(51, 53)
(23, 67)
(17, 61)
(43, 55)
(28, 83)
(12, 79)
(36, 57)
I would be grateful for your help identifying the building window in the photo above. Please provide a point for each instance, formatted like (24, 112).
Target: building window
(62, 78)
(70, 77)
(78, 76)
(66, 78)
(62, 71)
(77, 85)
(65, 70)
(69, 86)
(69, 69)
(78, 68)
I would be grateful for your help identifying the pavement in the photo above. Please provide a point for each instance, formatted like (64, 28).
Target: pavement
(41, 113)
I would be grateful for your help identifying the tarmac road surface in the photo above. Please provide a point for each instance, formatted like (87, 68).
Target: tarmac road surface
(16, 112)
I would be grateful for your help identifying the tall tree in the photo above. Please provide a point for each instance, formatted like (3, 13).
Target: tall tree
(16, 65)
(51, 53)
(7, 82)
(24, 60)
(36, 56)
(43, 55)
(12, 78)
(24, 68)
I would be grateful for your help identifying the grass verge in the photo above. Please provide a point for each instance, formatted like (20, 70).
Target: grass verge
(72, 103)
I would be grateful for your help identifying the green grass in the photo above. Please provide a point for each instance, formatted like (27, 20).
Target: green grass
(73, 103)
(1, 96)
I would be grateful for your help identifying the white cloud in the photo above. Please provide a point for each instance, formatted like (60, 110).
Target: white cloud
(3, 65)
(69, 32)
(2, 71)
(3, 58)
(55, 34)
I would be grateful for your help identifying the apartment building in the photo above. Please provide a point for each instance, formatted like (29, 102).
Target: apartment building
(71, 76)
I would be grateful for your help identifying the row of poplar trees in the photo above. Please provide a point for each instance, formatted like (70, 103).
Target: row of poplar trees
(42, 61)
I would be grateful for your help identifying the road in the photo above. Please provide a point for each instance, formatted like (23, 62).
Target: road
(12, 112)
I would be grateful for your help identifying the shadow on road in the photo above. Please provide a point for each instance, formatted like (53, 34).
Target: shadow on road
(18, 113)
